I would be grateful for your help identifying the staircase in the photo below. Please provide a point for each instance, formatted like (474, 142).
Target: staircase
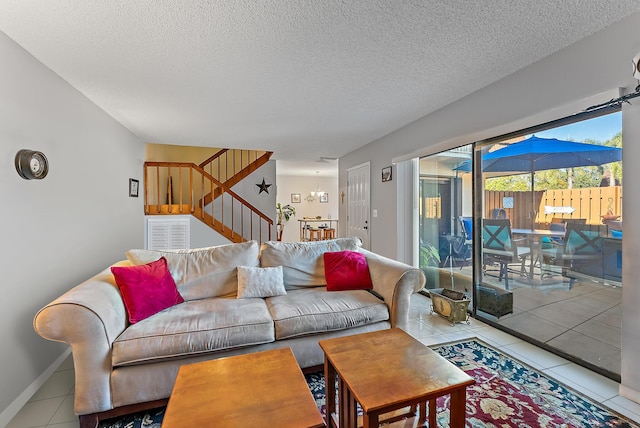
(204, 191)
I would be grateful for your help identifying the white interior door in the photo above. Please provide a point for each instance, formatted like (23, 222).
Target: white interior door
(358, 194)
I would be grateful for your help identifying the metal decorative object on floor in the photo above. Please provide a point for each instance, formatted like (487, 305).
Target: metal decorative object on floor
(450, 305)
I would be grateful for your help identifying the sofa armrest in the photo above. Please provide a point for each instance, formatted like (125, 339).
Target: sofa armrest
(395, 282)
(88, 317)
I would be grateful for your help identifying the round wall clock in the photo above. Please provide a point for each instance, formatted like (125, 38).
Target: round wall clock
(31, 164)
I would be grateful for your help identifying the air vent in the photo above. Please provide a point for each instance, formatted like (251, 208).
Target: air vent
(167, 234)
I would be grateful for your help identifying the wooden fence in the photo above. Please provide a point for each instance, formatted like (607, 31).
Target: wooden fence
(589, 203)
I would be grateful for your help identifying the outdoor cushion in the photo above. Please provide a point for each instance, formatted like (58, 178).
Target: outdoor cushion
(316, 310)
(182, 330)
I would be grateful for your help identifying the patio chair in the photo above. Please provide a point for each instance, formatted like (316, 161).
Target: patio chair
(498, 246)
(466, 226)
(453, 249)
(552, 250)
(612, 257)
(561, 226)
(581, 254)
(558, 227)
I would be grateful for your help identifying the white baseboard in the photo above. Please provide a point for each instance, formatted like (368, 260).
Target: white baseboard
(630, 393)
(12, 409)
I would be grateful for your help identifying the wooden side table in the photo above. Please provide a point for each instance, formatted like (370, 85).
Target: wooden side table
(385, 372)
(259, 389)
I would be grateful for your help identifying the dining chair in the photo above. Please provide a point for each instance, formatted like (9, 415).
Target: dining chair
(498, 246)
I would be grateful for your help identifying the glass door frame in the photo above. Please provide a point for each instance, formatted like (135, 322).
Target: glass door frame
(478, 213)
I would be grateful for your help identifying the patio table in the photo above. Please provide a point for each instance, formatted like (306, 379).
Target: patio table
(534, 238)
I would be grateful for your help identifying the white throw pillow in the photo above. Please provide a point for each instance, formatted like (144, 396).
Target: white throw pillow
(260, 282)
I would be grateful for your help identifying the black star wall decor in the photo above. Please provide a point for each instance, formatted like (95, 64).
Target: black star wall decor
(263, 187)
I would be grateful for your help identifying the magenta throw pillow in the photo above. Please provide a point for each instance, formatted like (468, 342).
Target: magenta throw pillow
(346, 270)
(146, 289)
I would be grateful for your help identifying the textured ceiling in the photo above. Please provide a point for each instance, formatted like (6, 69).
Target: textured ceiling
(306, 78)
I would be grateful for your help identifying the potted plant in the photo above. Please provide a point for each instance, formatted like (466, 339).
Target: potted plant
(285, 212)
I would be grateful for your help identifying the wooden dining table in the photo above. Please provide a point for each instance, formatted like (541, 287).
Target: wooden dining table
(307, 223)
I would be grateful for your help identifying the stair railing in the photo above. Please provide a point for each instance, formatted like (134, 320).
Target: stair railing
(226, 163)
(186, 188)
(230, 166)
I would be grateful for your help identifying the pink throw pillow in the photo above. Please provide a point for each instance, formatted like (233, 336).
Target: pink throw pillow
(346, 270)
(146, 289)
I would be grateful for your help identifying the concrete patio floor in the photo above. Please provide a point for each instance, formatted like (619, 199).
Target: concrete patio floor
(584, 321)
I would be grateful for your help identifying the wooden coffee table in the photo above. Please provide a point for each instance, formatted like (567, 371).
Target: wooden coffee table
(388, 371)
(259, 389)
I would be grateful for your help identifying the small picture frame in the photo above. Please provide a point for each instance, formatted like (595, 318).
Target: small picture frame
(134, 186)
(507, 202)
(386, 174)
(324, 198)
(296, 198)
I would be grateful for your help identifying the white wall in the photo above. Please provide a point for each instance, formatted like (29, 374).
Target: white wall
(58, 231)
(288, 184)
(630, 250)
(201, 235)
(555, 87)
(266, 203)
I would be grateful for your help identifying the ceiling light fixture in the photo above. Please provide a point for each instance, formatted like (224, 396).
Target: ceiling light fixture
(315, 194)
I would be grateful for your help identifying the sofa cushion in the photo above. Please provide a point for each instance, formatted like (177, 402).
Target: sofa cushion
(346, 270)
(146, 289)
(260, 282)
(302, 262)
(316, 310)
(195, 327)
(203, 272)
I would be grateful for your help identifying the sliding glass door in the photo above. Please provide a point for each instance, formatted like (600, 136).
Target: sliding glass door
(550, 243)
(444, 200)
(529, 227)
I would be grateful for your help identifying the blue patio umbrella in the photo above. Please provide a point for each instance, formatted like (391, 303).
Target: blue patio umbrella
(539, 154)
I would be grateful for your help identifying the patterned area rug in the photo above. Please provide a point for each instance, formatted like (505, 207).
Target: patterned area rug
(507, 393)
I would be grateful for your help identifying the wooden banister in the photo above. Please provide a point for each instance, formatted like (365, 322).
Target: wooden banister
(214, 157)
(220, 217)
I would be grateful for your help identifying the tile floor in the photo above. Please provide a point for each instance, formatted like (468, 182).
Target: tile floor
(584, 321)
(52, 405)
